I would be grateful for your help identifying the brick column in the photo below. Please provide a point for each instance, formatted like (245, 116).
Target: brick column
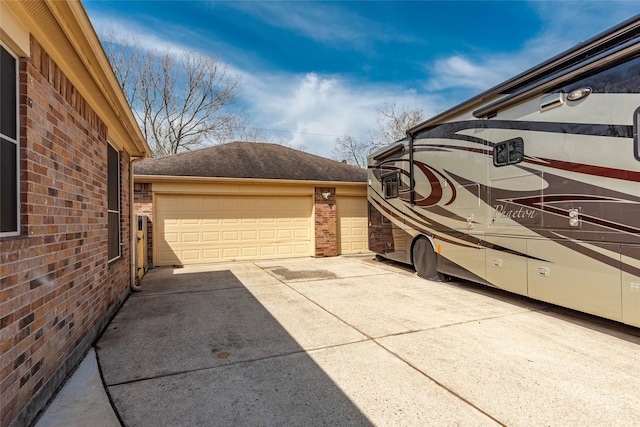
(326, 222)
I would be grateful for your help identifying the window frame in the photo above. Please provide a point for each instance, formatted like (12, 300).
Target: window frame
(386, 179)
(16, 142)
(113, 211)
(507, 143)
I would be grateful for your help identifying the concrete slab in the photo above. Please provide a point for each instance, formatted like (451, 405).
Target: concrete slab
(344, 341)
(200, 320)
(529, 369)
(285, 390)
(308, 324)
(385, 304)
(311, 269)
(82, 401)
(237, 275)
(247, 272)
(356, 384)
(390, 392)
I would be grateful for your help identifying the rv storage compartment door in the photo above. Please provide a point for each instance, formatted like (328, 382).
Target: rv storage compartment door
(568, 274)
(507, 263)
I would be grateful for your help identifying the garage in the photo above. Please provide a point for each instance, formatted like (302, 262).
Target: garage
(247, 201)
(196, 229)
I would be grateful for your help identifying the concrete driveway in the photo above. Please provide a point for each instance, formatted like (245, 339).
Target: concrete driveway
(351, 341)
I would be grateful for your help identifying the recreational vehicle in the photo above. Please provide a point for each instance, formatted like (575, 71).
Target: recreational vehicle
(532, 186)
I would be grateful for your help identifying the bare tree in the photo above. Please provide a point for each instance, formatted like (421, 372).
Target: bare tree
(352, 150)
(391, 124)
(241, 129)
(181, 101)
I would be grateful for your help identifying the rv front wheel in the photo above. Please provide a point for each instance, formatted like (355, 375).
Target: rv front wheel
(425, 260)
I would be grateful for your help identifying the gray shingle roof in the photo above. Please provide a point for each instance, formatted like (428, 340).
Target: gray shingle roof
(251, 160)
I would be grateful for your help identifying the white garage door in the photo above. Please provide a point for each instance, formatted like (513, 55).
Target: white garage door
(352, 224)
(193, 229)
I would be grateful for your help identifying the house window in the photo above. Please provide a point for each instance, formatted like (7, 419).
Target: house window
(9, 148)
(390, 184)
(113, 208)
(508, 152)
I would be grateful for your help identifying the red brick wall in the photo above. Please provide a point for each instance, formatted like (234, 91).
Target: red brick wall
(326, 222)
(56, 286)
(143, 205)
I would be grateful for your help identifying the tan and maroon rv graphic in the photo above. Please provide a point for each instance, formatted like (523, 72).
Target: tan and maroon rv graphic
(532, 186)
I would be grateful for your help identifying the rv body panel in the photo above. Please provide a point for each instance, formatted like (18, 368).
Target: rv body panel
(540, 197)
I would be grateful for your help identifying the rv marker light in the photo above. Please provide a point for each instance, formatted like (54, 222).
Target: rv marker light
(577, 94)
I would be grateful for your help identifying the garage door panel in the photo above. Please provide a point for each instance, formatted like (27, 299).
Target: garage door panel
(301, 250)
(358, 246)
(301, 233)
(222, 228)
(248, 252)
(356, 231)
(190, 255)
(351, 212)
(285, 234)
(285, 250)
(171, 237)
(230, 253)
(211, 254)
(267, 251)
(190, 237)
(211, 221)
(250, 235)
(230, 236)
(211, 237)
(267, 234)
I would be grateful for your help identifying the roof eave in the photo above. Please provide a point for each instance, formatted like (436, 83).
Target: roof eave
(137, 178)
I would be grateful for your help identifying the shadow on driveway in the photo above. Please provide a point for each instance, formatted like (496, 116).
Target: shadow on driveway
(200, 349)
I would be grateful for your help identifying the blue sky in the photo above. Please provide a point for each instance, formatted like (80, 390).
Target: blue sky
(313, 71)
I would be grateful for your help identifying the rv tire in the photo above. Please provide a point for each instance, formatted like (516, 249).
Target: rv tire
(424, 260)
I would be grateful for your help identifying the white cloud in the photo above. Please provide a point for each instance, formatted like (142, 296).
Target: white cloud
(458, 71)
(317, 109)
(565, 24)
(126, 28)
(323, 22)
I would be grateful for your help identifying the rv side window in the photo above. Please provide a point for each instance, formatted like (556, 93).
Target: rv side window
(390, 185)
(508, 152)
